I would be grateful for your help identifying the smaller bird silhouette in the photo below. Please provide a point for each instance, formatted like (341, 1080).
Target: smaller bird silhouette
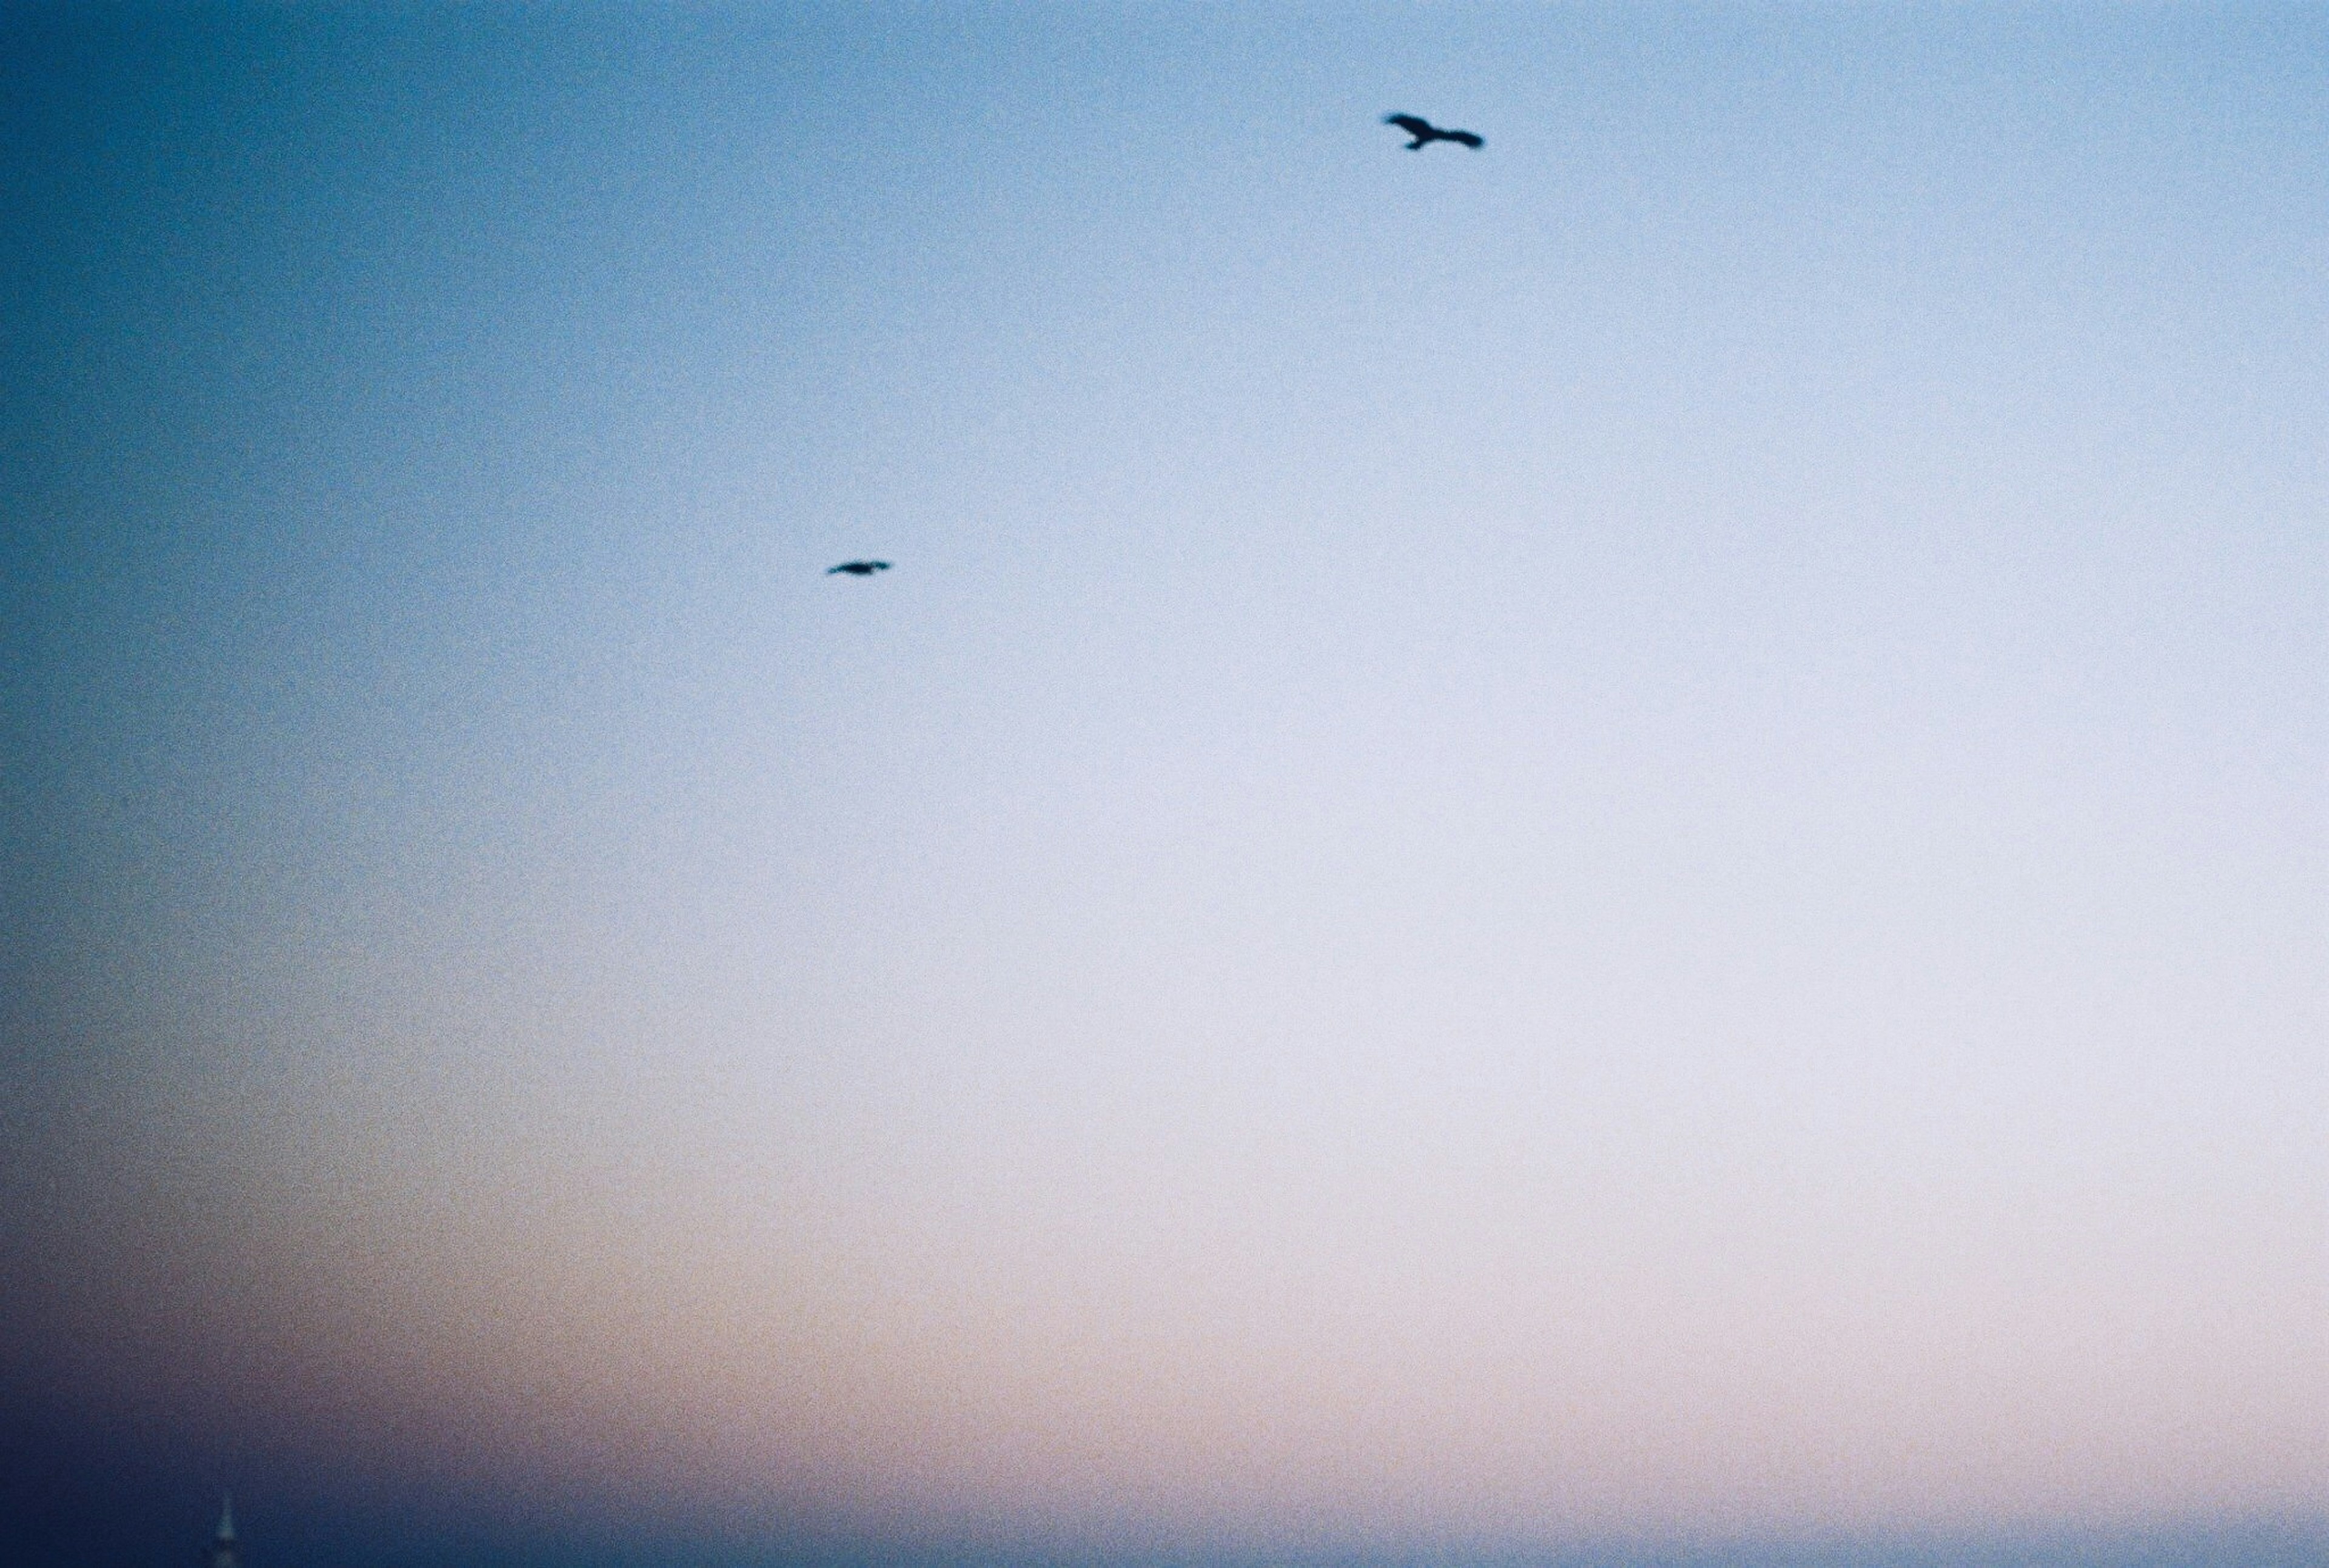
(859, 568)
(1423, 131)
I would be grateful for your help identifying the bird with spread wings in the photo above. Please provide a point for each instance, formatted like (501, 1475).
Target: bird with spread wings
(859, 568)
(1423, 131)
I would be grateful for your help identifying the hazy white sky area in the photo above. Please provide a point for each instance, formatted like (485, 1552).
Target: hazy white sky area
(1620, 835)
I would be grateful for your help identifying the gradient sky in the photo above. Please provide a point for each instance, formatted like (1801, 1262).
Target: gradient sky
(1621, 839)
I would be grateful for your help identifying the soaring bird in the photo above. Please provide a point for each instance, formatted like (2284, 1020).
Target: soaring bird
(859, 568)
(1423, 131)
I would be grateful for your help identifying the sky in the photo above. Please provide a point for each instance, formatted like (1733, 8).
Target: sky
(1612, 849)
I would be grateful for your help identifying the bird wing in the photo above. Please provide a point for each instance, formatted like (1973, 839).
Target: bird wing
(1410, 124)
(1467, 138)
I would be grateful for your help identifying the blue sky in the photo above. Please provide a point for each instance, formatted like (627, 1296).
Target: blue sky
(1620, 837)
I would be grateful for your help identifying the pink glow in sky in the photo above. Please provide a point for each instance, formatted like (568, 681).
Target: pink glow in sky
(1620, 835)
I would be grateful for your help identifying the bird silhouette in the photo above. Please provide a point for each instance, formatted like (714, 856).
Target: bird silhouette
(859, 568)
(1423, 131)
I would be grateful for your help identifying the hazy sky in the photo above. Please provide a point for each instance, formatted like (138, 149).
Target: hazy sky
(1618, 839)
